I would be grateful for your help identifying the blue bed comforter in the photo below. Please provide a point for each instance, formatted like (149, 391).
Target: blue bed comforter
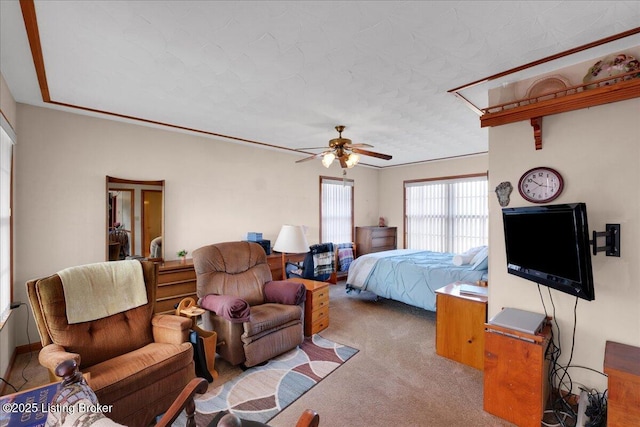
(408, 276)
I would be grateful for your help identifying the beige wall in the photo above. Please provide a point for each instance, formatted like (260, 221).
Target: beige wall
(597, 151)
(214, 190)
(391, 183)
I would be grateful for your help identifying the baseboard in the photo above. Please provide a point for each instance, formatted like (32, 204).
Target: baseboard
(7, 373)
(28, 348)
(23, 349)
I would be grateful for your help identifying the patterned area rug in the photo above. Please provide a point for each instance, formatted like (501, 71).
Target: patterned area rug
(259, 393)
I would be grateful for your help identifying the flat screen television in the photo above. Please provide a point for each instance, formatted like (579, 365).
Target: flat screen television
(550, 245)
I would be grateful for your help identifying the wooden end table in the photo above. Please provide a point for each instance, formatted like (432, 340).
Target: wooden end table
(316, 306)
(460, 320)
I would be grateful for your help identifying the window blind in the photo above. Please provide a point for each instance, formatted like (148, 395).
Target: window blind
(336, 210)
(6, 149)
(447, 215)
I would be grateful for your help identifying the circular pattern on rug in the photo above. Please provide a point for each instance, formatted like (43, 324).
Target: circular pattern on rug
(259, 393)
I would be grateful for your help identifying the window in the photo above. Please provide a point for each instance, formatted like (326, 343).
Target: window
(336, 210)
(446, 215)
(6, 148)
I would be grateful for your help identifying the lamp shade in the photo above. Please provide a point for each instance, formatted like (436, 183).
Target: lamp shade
(291, 239)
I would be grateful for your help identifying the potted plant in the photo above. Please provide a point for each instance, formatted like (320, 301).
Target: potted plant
(182, 254)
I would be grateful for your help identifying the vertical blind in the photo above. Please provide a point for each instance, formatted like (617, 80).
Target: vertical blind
(6, 147)
(336, 210)
(447, 215)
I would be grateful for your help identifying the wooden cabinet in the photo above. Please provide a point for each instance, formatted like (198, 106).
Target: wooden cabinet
(460, 323)
(622, 365)
(316, 306)
(516, 384)
(176, 280)
(375, 239)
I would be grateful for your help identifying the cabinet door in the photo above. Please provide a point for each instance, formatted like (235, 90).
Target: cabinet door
(515, 379)
(460, 329)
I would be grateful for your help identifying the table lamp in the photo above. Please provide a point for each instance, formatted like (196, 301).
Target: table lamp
(291, 239)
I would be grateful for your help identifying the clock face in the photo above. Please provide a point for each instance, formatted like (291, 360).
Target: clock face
(540, 185)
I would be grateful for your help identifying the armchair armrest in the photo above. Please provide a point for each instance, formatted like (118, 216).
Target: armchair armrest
(285, 292)
(184, 401)
(170, 329)
(52, 355)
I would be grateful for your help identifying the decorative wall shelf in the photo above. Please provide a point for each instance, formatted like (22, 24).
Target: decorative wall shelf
(569, 99)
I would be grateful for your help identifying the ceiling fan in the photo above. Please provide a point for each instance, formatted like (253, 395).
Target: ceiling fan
(340, 148)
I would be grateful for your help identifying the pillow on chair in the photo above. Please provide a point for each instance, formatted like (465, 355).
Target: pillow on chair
(234, 309)
(284, 292)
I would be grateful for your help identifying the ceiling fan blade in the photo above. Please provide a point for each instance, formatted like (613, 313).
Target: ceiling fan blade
(372, 154)
(358, 145)
(310, 157)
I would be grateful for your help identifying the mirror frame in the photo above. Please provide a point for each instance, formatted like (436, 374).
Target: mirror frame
(110, 181)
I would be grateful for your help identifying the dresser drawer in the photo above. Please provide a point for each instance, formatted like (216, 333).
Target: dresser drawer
(383, 232)
(176, 276)
(320, 299)
(320, 314)
(386, 241)
(319, 325)
(176, 288)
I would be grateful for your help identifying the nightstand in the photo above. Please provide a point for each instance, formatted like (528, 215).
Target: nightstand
(316, 306)
(460, 323)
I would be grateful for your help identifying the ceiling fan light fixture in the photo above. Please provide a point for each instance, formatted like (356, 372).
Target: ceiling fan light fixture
(352, 160)
(327, 159)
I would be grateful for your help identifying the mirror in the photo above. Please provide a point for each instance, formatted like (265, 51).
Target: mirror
(135, 219)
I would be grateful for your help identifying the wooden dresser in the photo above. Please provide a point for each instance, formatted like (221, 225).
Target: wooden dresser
(375, 239)
(176, 280)
(622, 366)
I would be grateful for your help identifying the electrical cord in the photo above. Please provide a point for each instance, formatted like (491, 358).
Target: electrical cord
(17, 389)
(560, 380)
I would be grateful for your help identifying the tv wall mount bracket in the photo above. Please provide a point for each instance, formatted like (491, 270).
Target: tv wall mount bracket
(612, 240)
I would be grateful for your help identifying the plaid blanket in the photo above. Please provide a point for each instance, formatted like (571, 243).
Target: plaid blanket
(323, 258)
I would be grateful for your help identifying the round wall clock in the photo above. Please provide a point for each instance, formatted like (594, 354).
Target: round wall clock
(540, 185)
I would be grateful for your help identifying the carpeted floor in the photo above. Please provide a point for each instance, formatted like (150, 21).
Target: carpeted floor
(395, 379)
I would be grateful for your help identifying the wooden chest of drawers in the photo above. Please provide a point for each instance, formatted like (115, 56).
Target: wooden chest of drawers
(375, 239)
(316, 306)
(176, 280)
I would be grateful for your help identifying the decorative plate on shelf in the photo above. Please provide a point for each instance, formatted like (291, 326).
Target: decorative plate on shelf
(547, 85)
(611, 67)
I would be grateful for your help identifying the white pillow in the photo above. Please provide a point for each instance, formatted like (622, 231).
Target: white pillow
(467, 257)
(480, 258)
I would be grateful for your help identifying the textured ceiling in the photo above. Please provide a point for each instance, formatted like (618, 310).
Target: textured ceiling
(285, 73)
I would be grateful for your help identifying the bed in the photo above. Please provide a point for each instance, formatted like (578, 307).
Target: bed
(410, 276)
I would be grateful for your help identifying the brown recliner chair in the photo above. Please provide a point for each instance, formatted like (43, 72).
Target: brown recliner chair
(257, 318)
(134, 360)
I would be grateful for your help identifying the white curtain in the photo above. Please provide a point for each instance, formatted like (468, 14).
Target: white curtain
(336, 205)
(447, 215)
